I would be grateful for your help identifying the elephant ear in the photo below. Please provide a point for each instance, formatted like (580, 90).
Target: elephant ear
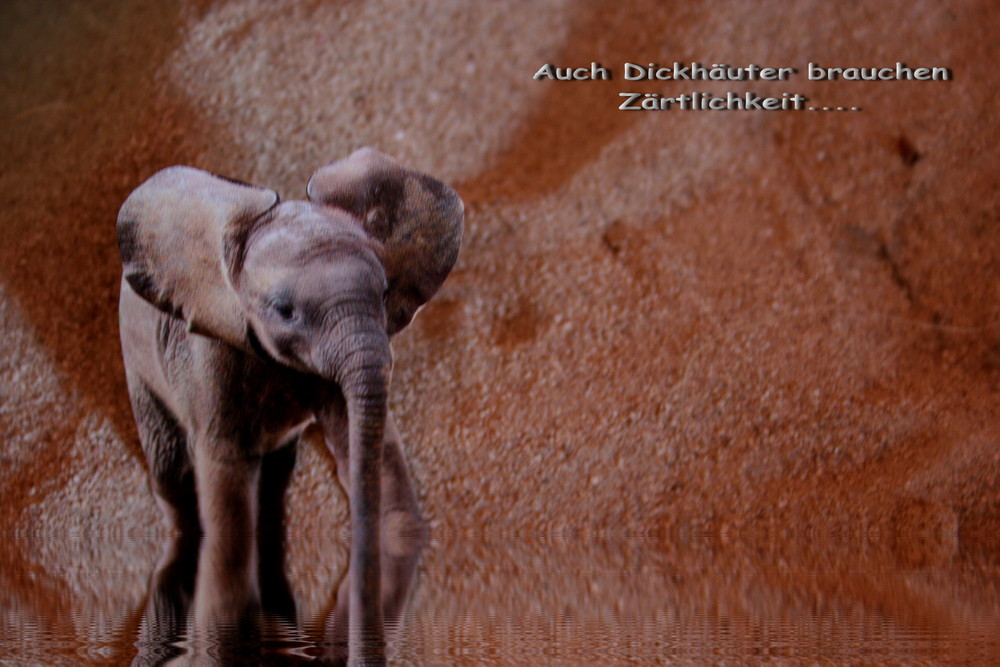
(416, 219)
(172, 233)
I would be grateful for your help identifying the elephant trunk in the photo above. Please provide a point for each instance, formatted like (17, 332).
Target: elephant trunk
(362, 368)
(366, 412)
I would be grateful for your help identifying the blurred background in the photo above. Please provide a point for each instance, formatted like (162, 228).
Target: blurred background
(702, 383)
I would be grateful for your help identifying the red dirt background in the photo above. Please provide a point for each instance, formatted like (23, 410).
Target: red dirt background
(748, 326)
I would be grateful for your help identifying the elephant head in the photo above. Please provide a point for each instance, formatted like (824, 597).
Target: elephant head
(229, 259)
(316, 285)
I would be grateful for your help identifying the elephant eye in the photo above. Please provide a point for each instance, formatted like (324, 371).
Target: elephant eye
(284, 309)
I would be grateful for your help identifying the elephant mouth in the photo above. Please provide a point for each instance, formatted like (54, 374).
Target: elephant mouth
(261, 352)
(257, 347)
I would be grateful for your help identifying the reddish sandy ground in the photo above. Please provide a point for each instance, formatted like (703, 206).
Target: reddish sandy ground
(749, 326)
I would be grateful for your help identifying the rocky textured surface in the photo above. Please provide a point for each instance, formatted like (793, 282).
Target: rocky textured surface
(754, 326)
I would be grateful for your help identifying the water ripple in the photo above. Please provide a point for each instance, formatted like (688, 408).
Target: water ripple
(512, 600)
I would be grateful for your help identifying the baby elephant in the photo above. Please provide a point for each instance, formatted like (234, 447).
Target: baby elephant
(243, 320)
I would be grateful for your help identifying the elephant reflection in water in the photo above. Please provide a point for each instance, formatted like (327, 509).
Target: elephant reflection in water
(244, 319)
(204, 609)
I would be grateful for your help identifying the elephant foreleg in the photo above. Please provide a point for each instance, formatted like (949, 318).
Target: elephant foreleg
(227, 589)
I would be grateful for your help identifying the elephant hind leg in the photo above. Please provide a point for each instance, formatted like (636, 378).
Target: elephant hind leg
(399, 500)
(398, 494)
(165, 446)
(276, 471)
(171, 590)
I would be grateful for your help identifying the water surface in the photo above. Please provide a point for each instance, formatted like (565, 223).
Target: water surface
(519, 599)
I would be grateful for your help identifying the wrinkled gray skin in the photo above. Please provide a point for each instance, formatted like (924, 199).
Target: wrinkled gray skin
(247, 634)
(243, 320)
